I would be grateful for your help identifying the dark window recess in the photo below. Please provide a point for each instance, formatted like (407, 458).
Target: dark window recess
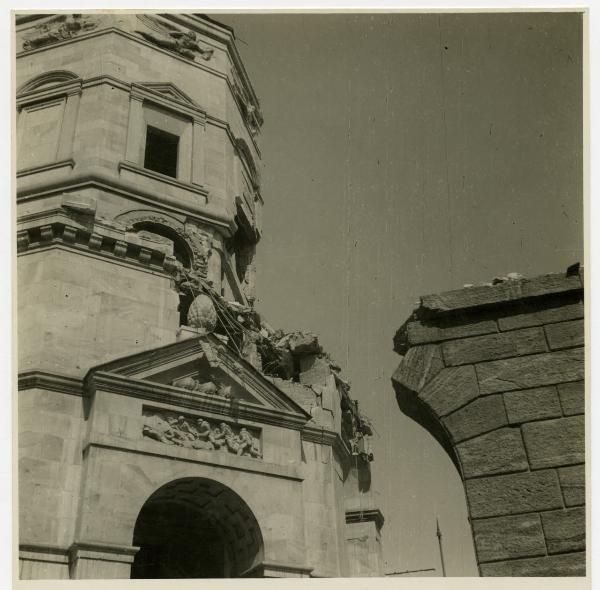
(161, 151)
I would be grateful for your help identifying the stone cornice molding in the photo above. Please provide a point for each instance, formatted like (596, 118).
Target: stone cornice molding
(204, 457)
(101, 179)
(331, 438)
(170, 395)
(370, 515)
(65, 87)
(69, 162)
(188, 186)
(271, 569)
(43, 552)
(49, 381)
(144, 91)
(54, 231)
(104, 551)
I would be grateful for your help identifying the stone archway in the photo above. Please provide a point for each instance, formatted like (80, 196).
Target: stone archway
(196, 528)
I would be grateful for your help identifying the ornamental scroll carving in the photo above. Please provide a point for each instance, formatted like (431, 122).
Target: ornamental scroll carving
(199, 433)
(60, 28)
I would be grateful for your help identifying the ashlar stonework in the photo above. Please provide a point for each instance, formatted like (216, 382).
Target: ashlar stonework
(496, 374)
(166, 430)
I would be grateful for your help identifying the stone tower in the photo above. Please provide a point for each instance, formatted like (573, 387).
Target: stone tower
(165, 430)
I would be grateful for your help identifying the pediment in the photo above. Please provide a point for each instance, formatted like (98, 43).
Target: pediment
(199, 371)
(170, 91)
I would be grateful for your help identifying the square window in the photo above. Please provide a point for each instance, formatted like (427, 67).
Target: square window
(161, 152)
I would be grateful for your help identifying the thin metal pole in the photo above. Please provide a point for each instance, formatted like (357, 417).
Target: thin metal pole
(439, 536)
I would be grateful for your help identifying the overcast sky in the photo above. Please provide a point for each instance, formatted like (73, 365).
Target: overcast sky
(403, 155)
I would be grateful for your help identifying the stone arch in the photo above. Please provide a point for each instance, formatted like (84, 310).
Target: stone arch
(47, 79)
(196, 527)
(194, 246)
(488, 370)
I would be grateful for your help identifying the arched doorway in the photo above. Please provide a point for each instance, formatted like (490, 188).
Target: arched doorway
(195, 528)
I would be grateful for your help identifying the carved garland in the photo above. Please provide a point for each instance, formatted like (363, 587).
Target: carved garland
(193, 432)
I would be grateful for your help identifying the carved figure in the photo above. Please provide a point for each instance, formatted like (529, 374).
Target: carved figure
(169, 37)
(217, 438)
(247, 444)
(60, 28)
(230, 438)
(208, 387)
(158, 429)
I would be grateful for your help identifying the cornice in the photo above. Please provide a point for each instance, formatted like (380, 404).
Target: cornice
(371, 515)
(50, 381)
(194, 188)
(278, 569)
(167, 394)
(69, 162)
(101, 179)
(318, 435)
(77, 237)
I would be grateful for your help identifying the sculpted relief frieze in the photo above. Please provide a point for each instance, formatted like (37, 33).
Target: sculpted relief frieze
(200, 433)
(59, 28)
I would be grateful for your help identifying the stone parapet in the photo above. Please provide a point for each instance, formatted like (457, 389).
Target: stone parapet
(496, 374)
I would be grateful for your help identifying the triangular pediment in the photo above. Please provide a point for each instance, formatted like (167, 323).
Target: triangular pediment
(202, 369)
(169, 90)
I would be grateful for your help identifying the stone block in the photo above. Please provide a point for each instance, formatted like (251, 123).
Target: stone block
(500, 451)
(302, 395)
(314, 370)
(572, 484)
(510, 494)
(450, 389)
(419, 366)
(569, 564)
(572, 397)
(552, 443)
(564, 530)
(481, 415)
(303, 344)
(439, 329)
(500, 293)
(532, 404)
(531, 371)
(52, 447)
(529, 315)
(494, 346)
(565, 334)
(508, 537)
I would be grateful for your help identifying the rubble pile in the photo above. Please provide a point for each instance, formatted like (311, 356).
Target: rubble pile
(298, 365)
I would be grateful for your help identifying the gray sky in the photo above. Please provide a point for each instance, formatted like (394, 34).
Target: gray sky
(405, 155)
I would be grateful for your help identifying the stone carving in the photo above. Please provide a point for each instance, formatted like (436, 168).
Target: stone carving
(202, 314)
(250, 113)
(208, 387)
(199, 433)
(172, 38)
(198, 241)
(59, 28)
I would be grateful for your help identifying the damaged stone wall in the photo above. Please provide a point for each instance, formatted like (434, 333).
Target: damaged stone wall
(294, 361)
(496, 374)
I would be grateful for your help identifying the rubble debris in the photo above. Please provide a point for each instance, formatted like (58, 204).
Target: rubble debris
(295, 361)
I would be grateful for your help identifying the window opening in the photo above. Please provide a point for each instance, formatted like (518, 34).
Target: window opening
(161, 152)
